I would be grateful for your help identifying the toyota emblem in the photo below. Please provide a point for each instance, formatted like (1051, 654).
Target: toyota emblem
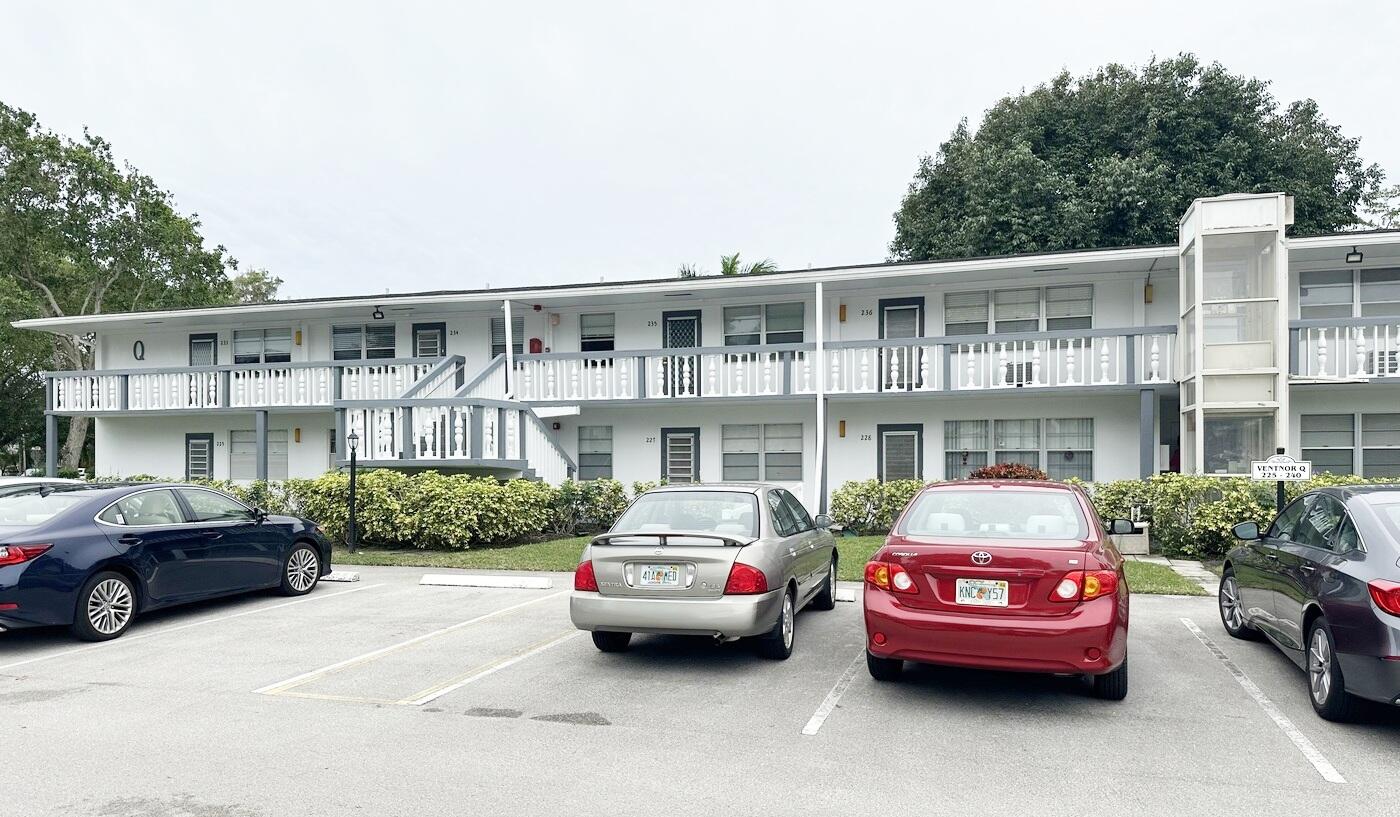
(981, 557)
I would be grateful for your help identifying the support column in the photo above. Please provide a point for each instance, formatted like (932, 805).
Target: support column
(340, 452)
(510, 350)
(260, 426)
(820, 481)
(1147, 433)
(51, 445)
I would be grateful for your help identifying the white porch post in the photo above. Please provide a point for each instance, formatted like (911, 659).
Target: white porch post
(821, 401)
(510, 351)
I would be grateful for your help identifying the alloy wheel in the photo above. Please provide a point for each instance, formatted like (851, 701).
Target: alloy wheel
(302, 569)
(109, 606)
(1230, 604)
(787, 621)
(1320, 666)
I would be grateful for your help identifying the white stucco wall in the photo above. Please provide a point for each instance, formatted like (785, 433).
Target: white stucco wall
(156, 444)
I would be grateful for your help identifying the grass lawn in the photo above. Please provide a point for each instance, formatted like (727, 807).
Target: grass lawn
(561, 556)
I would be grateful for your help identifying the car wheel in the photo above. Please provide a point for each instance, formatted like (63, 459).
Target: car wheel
(611, 642)
(1326, 687)
(826, 599)
(777, 644)
(883, 669)
(301, 571)
(1232, 613)
(106, 607)
(1112, 686)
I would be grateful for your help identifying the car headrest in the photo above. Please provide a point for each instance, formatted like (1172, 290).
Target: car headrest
(1045, 524)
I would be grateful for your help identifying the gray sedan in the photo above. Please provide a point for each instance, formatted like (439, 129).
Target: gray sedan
(724, 560)
(1323, 584)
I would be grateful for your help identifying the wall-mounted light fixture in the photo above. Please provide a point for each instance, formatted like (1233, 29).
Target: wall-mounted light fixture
(841, 313)
(298, 337)
(841, 429)
(378, 314)
(1355, 256)
(1147, 290)
(296, 435)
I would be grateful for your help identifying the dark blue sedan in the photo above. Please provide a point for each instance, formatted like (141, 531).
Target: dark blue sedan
(92, 557)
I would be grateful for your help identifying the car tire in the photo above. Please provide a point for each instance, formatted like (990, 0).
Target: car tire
(611, 642)
(777, 643)
(1232, 614)
(106, 607)
(883, 669)
(826, 598)
(1112, 686)
(301, 570)
(1327, 689)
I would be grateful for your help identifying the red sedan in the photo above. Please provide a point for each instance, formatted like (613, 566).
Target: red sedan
(1017, 576)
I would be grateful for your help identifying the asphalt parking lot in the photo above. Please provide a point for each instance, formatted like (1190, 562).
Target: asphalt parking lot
(385, 697)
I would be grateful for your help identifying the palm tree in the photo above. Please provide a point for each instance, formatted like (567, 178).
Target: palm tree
(731, 265)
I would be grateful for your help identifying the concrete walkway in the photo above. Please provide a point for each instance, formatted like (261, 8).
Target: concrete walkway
(1189, 568)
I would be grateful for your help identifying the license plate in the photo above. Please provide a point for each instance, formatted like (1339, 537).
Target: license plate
(982, 592)
(659, 576)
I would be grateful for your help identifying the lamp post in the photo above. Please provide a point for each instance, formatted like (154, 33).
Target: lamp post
(353, 443)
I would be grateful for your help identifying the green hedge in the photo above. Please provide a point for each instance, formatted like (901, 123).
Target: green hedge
(433, 510)
(1190, 515)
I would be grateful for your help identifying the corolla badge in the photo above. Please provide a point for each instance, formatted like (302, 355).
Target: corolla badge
(981, 557)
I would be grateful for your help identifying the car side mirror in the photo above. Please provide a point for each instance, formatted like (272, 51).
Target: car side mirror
(1121, 527)
(259, 515)
(1246, 531)
(823, 521)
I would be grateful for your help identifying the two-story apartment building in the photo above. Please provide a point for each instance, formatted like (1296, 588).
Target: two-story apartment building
(1100, 364)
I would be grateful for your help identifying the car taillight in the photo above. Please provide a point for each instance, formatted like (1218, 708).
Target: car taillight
(1083, 585)
(18, 554)
(584, 578)
(890, 576)
(1100, 583)
(1069, 588)
(745, 580)
(1386, 595)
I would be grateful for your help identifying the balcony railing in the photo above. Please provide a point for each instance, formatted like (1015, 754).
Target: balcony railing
(1112, 357)
(455, 431)
(277, 385)
(1358, 348)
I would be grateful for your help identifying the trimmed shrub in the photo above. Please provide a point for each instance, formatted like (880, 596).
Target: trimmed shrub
(871, 506)
(1008, 470)
(589, 505)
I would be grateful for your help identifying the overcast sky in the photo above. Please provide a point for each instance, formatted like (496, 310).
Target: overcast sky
(355, 147)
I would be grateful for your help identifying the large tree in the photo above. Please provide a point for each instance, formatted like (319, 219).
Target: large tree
(1115, 157)
(82, 234)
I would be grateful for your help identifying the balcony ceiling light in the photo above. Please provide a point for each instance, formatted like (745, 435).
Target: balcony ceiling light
(378, 314)
(1355, 256)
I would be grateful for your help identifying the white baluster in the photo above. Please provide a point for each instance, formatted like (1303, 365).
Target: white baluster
(1322, 352)
(459, 433)
(842, 361)
(971, 369)
(1155, 360)
(1069, 363)
(768, 373)
(1361, 367)
(1001, 365)
(1103, 360)
(925, 382)
(623, 387)
(688, 376)
(488, 435)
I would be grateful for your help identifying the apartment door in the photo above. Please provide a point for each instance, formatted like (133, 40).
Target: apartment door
(680, 374)
(900, 319)
(680, 455)
(429, 339)
(204, 350)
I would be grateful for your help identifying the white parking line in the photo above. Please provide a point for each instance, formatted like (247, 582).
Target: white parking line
(307, 677)
(433, 693)
(1316, 758)
(163, 630)
(842, 684)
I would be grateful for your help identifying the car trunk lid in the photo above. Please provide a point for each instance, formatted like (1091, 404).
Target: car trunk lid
(664, 564)
(993, 578)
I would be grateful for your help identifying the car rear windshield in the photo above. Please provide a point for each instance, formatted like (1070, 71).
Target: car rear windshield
(731, 512)
(996, 513)
(1388, 509)
(31, 506)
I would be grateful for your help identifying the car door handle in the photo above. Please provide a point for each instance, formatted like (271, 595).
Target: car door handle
(1271, 557)
(213, 534)
(129, 540)
(1306, 568)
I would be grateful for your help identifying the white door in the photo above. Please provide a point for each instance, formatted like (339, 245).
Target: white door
(681, 456)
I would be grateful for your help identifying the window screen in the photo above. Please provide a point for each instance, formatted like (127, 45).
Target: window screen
(899, 455)
(243, 455)
(595, 452)
(597, 333)
(784, 323)
(1380, 440)
(1069, 307)
(1326, 294)
(743, 325)
(498, 336)
(347, 342)
(772, 451)
(1017, 441)
(966, 313)
(1017, 310)
(1069, 449)
(1329, 441)
(1380, 292)
(262, 345)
